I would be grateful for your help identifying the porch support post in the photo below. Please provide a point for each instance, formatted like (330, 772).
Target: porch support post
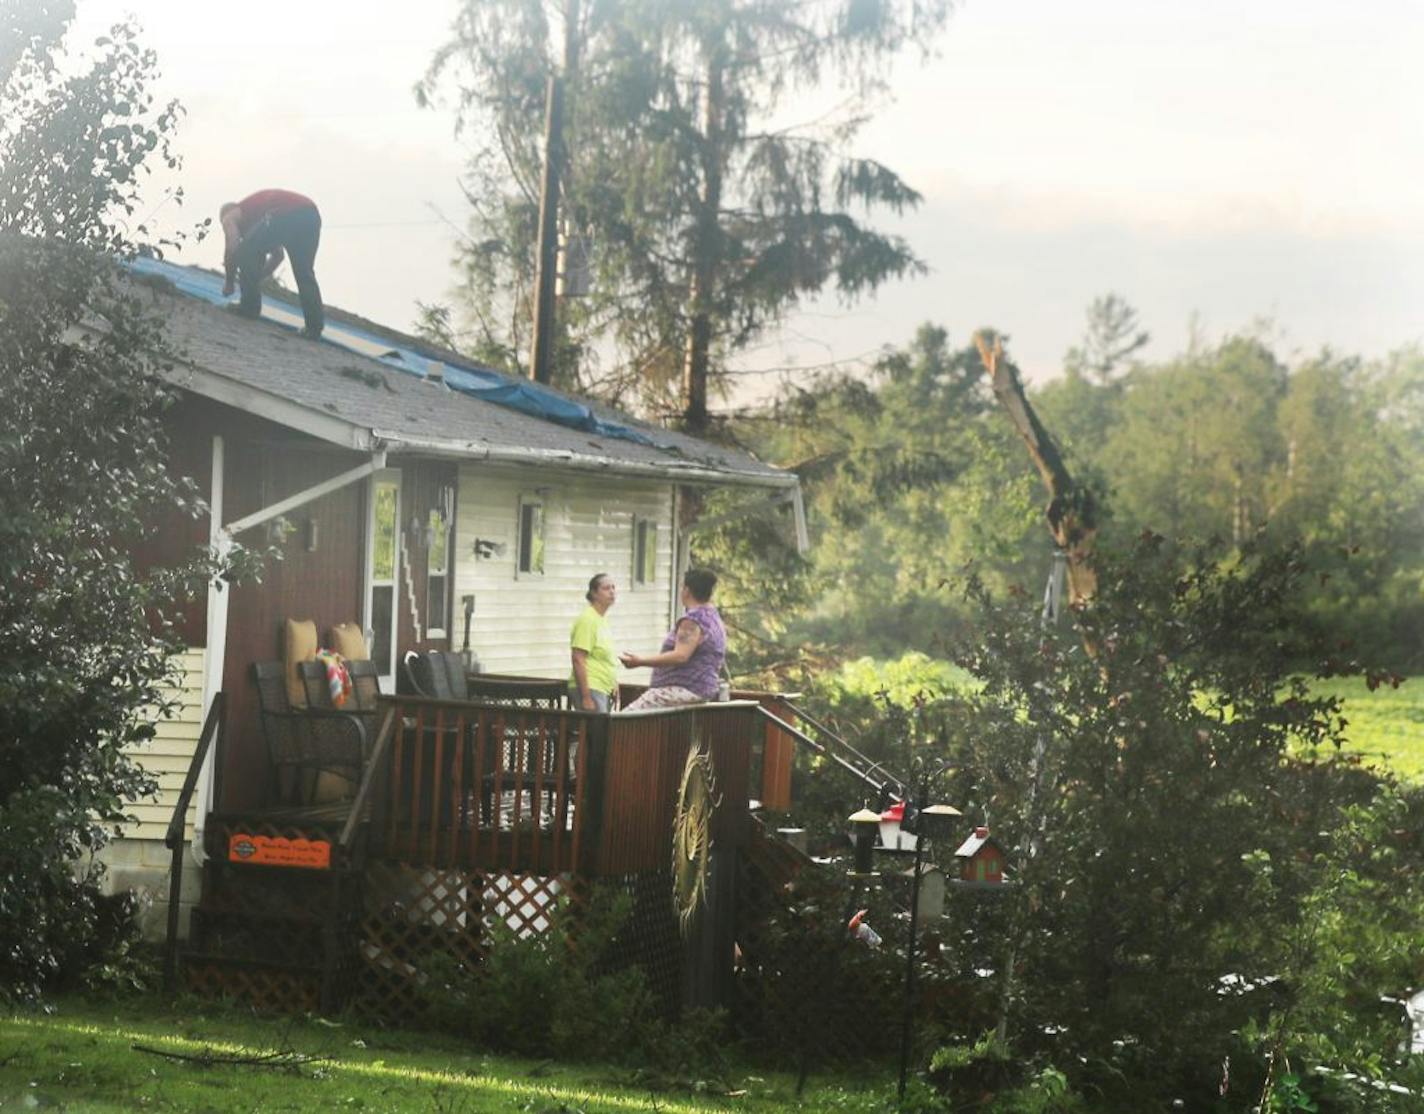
(215, 655)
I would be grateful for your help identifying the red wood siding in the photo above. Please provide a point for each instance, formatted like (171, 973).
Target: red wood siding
(174, 537)
(323, 585)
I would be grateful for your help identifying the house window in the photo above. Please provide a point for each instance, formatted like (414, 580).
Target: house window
(531, 537)
(645, 551)
(381, 578)
(437, 575)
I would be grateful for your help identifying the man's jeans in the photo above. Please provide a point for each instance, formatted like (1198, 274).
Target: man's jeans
(298, 232)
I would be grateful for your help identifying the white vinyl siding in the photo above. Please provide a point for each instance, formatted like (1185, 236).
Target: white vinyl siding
(521, 623)
(168, 754)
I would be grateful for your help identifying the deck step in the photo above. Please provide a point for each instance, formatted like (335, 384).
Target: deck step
(264, 984)
(291, 939)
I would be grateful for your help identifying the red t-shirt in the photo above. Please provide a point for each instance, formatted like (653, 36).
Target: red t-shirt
(265, 203)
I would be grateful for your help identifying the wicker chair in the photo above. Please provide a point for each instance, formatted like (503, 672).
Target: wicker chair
(313, 738)
(362, 703)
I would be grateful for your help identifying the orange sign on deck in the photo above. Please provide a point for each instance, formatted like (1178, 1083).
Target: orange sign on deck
(313, 854)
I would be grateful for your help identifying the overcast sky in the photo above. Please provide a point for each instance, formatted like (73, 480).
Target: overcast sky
(1217, 161)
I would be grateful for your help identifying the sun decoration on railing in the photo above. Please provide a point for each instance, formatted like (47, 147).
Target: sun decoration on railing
(692, 835)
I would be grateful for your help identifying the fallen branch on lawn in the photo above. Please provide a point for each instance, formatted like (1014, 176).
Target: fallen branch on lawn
(282, 1060)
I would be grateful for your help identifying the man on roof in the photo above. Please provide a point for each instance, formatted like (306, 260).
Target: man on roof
(258, 229)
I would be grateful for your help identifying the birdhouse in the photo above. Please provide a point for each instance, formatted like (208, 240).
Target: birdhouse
(981, 859)
(891, 837)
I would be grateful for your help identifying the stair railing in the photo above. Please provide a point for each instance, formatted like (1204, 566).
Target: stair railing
(893, 780)
(374, 766)
(869, 773)
(174, 841)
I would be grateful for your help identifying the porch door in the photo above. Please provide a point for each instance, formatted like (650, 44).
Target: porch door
(383, 574)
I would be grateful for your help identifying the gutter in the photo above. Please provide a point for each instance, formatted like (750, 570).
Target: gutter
(582, 462)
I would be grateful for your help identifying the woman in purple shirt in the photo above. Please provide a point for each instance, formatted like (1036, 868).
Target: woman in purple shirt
(689, 666)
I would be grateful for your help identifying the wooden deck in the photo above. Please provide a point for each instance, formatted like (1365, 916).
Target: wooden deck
(550, 791)
(469, 814)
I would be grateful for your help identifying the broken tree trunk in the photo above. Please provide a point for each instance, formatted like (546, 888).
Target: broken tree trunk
(1071, 511)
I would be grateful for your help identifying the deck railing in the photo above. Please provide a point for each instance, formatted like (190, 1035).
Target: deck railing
(483, 785)
(550, 791)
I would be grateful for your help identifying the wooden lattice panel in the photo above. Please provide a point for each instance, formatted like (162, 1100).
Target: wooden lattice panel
(415, 919)
(269, 990)
(525, 902)
(419, 920)
(649, 939)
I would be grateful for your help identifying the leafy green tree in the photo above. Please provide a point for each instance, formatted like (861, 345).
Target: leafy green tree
(1141, 786)
(85, 636)
(1082, 405)
(712, 213)
(904, 474)
(1227, 440)
(1197, 443)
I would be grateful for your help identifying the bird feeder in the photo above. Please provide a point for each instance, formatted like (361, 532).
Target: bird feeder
(935, 822)
(929, 894)
(892, 838)
(862, 831)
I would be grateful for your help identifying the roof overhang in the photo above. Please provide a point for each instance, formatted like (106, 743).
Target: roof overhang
(275, 408)
(338, 431)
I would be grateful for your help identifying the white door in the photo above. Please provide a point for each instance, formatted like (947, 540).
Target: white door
(383, 574)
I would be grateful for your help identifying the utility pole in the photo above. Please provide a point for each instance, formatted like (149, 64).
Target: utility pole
(706, 261)
(541, 358)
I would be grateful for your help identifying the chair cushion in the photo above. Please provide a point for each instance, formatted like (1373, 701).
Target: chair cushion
(348, 641)
(299, 644)
(418, 672)
(454, 666)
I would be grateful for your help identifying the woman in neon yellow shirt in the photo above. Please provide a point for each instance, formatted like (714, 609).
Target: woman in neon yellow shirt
(595, 668)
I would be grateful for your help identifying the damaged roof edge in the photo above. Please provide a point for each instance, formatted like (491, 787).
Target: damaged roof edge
(339, 431)
(585, 462)
(264, 404)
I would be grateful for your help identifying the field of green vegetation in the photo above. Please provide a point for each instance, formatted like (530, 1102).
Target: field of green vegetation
(1386, 727)
(103, 1057)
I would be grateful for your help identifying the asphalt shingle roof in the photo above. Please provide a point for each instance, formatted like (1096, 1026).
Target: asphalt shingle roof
(365, 392)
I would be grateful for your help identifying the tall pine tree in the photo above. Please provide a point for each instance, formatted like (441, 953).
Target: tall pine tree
(711, 210)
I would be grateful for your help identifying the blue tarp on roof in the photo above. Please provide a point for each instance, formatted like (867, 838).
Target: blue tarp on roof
(467, 378)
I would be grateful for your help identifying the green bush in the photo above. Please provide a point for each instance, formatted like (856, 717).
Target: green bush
(1190, 887)
(546, 994)
(86, 634)
(564, 994)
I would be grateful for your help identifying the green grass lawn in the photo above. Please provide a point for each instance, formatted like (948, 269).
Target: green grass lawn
(80, 1057)
(1386, 727)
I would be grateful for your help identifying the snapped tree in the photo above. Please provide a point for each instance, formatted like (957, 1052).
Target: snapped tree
(85, 636)
(711, 212)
